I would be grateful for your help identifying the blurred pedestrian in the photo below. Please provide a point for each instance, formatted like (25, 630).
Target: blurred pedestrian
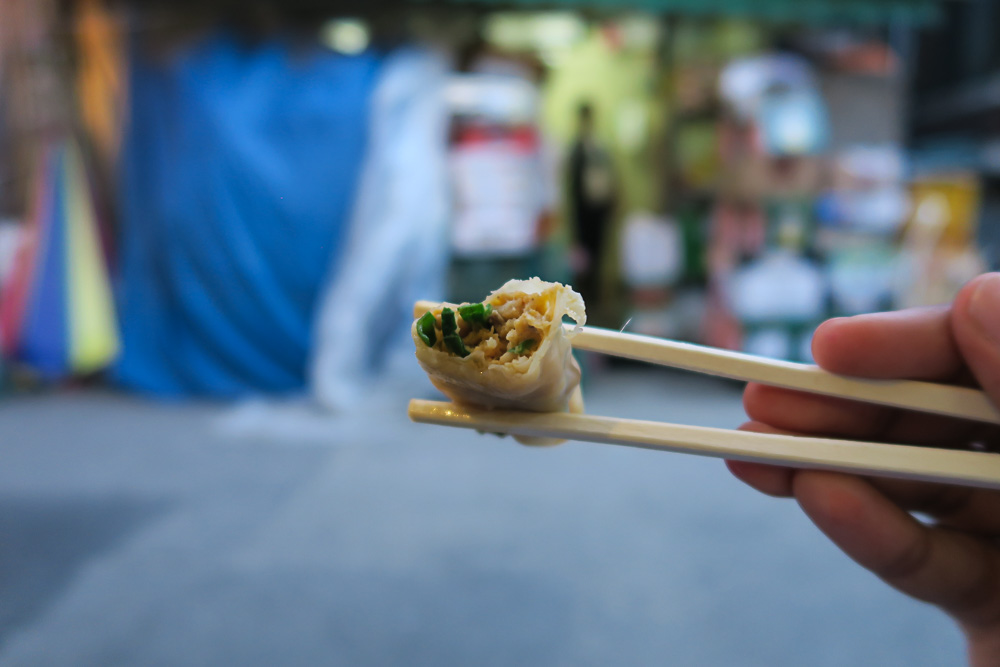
(592, 194)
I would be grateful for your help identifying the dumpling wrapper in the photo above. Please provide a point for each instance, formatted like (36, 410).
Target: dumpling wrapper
(545, 380)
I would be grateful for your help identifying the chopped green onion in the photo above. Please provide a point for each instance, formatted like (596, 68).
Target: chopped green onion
(524, 346)
(456, 346)
(449, 329)
(426, 329)
(449, 325)
(476, 314)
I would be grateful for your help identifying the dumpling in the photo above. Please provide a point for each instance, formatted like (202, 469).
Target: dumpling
(510, 352)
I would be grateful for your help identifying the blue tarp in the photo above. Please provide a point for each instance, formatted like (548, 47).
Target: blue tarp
(240, 165)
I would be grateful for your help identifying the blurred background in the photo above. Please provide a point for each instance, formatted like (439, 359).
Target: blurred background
(215, 217)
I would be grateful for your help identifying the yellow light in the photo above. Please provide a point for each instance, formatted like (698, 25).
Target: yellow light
(348, 36)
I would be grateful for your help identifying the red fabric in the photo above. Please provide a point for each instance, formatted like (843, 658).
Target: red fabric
(522, 137)
(17, 289)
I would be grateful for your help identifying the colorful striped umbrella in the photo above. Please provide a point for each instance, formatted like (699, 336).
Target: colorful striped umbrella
(57, 313)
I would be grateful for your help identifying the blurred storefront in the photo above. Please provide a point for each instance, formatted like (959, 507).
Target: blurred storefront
(249, 177)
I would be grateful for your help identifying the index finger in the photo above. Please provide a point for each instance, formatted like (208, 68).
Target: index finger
(914, 344)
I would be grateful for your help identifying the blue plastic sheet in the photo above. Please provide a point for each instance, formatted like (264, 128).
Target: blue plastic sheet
(240, 166)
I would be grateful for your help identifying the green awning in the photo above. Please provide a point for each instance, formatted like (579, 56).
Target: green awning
(870, 12)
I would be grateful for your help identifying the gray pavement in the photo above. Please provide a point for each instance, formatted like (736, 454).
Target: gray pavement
(136, 533)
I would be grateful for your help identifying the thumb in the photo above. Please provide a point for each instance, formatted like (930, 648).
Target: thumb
(975, 323)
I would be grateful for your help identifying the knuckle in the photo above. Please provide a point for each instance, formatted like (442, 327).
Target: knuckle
(908, 561)
(977, 601)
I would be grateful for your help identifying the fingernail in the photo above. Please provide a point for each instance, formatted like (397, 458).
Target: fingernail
(984, 306)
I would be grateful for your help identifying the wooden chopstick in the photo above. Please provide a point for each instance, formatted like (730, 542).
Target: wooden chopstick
(966, 468)
(960, 402)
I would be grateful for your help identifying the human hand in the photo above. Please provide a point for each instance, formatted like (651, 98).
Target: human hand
(953, 560)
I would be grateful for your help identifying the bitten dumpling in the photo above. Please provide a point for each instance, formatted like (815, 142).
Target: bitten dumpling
(509, 352)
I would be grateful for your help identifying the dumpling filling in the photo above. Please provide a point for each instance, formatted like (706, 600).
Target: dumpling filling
(500, 329)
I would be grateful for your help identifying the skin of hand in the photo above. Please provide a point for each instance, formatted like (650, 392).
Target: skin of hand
(952, 558)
